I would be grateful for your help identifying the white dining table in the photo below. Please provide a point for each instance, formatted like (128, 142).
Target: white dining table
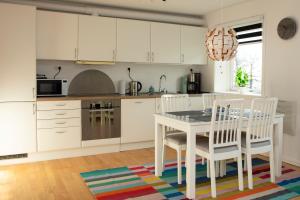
(191, 124)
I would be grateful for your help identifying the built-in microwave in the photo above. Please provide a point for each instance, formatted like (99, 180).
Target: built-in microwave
(52, 87)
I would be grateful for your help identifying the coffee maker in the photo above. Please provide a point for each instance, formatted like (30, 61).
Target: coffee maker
(194, 83)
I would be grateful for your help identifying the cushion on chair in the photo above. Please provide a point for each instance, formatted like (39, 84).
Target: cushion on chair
(254, 144)
(180, 139)
(203, 144)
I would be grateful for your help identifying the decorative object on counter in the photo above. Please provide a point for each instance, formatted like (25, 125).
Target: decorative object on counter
(194, 83)
(134, 86)
(183, 85)
(151, 90)
(287, 28)
(241, 79)
(122, 87)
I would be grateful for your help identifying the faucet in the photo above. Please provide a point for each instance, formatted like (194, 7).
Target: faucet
(160, 80)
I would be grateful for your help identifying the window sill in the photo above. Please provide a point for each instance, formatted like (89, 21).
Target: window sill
(242, 94)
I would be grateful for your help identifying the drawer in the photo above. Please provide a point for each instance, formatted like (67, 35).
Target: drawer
(58, 123)
(59, 114)
(58, 105)
(58, 138)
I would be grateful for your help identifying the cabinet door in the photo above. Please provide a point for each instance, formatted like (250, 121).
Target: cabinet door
(193, 49)
(57, 35)
(137, 121)
(133, 41)
(97, 38)
(18, 128)
(165, 43)
(17, 50)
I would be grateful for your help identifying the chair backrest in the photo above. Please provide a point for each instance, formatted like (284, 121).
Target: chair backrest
(208, 99)
(260, 124)
(226, 123)
(175, 102)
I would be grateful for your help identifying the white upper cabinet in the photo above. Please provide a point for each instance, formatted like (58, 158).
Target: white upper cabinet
(133, 41)
(193, 49)
(18, 53)
(57, 35)
(165, 43)
(97, 38)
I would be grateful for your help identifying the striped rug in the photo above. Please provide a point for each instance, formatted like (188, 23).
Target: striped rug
(139, 182)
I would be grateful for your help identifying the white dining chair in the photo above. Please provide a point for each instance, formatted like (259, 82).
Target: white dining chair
(173, 138)
(258, 137)
(224, 141)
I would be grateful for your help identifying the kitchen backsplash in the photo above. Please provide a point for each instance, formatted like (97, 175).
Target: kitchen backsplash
(147, 74)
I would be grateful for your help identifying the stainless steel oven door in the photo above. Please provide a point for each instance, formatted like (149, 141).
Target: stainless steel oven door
(101, 119)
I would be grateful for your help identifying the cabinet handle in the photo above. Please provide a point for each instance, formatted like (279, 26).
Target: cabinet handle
(33, 109)
(60, 123)
(75, 54)
(60, 131)
(148, 56)
(63, 104)
(138, 102)
(152, 56)
(60, 113)
(182, 58)
(33, 92)
(114, 55)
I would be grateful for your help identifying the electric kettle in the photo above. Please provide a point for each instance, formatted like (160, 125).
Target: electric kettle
(135, 87)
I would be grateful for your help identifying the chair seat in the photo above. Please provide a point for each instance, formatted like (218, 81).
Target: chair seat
(254, 144)
(203, 144)
(180, 138)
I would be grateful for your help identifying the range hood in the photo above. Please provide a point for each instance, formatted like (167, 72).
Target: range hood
(90, 62)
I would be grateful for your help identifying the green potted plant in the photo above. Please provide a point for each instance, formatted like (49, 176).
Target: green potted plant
(241, 79)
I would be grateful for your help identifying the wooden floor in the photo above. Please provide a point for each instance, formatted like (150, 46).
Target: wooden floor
(60, 179)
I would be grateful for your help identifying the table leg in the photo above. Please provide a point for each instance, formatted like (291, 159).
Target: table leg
(191, 165)
(158, 149)
(278, 145)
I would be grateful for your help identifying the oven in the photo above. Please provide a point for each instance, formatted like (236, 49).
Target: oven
(101, 119)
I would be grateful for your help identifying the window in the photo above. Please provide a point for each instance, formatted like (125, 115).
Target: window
(249, 56)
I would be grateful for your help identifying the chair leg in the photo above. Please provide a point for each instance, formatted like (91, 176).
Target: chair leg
(208, 168)
(213, 179)
(240, 172)
(218, 168)
(245, 162)
(272, 166)
(202, 160)
(163, 151)
(179, 167)
(249, 168)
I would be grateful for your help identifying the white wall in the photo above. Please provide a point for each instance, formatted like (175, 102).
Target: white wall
(281, 66)
(147, 74)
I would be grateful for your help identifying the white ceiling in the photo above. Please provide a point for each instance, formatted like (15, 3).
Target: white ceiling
(190, 7)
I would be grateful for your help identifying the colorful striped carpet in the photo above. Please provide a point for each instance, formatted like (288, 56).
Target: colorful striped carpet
(139, 183)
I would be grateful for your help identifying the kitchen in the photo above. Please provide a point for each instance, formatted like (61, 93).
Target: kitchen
(80, 80)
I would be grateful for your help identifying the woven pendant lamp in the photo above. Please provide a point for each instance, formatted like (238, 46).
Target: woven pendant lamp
(221, 43)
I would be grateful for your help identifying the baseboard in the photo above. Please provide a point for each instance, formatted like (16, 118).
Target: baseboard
(136, 145)
(52, 155)
(291, 161)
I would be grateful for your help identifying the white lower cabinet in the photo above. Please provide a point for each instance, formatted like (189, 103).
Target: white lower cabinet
(59, 138)
(196, 103)
(137, 120)
(58, 125)
(18, 128)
